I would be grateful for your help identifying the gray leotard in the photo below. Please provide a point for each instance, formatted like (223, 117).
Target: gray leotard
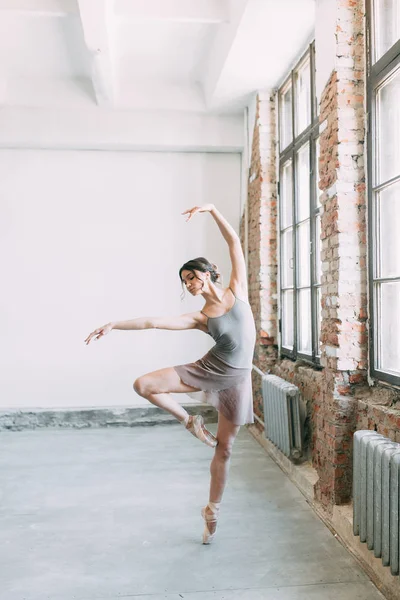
(235, 335)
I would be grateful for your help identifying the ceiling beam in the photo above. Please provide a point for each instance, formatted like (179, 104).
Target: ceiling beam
(196, 11)
(97, 22)
(220, 49)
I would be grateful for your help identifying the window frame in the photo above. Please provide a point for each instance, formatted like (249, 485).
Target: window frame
(309, 135)
(376, 73)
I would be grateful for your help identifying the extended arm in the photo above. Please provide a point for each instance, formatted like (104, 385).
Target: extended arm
(187, 321)
(132, 324)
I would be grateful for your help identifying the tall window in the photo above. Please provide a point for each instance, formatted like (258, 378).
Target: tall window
(300, 265)
(384, 187)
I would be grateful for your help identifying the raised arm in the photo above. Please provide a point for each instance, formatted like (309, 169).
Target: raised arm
(238, 280)
(193, 320)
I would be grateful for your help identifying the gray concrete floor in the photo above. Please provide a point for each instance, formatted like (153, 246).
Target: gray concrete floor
(115, 513)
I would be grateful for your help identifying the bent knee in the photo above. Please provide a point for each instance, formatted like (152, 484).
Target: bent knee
(141, 386)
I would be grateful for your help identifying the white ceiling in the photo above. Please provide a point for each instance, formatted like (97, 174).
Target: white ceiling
(186, 55)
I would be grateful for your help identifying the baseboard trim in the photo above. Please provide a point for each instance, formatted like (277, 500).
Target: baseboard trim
(80, 418)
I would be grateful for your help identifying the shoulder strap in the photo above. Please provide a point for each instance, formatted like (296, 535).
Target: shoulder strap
(232, 291)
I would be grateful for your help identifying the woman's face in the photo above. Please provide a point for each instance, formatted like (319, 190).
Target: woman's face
(194, 285)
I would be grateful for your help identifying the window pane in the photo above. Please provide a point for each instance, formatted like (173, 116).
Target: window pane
(287, 195)
(286, 117)
(318, 319)
(317, 256)
(317, 190)
(388, 327)
(388, 250)
(388, 123)
(387, 25)
(303, 253)
(303, 97)
(303, 183)
(287, 258)
(287, 319)
(304, 320)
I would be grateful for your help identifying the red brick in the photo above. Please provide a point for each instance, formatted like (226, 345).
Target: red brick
(332, 394)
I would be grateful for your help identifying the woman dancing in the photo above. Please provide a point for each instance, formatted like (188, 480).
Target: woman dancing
(223, 374)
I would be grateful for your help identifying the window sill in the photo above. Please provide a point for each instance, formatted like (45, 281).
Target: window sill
(302, 362)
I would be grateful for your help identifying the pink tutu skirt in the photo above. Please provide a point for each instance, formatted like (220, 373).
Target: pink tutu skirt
(227, 388)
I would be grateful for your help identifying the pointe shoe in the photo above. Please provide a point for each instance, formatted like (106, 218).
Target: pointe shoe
(210, 526)
(196, 427)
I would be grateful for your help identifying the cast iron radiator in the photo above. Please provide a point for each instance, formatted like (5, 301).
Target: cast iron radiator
(283, 424)
(376, 483)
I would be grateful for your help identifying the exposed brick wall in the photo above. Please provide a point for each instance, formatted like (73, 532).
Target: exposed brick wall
(339, 397)
(262, 237)
(378, 409)
(344, 336)
(263, 268)
(384, 420)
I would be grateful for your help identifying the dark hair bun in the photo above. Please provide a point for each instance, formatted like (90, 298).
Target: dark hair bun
(215, 275)
(201, 264)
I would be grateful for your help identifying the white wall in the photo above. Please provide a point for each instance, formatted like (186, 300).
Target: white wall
(89, 237)
(136, 131)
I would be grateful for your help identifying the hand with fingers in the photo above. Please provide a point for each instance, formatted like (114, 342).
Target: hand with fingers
(198, 209)
(99, 333)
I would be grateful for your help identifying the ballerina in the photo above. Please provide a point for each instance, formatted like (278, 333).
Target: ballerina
(223, 373)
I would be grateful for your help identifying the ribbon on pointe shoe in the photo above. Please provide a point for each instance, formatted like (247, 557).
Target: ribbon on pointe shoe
(210, 517)
(196, 427)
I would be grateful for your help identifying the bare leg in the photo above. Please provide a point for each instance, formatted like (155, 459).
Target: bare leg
(157, 386)
(219, 470)
(219, 467)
